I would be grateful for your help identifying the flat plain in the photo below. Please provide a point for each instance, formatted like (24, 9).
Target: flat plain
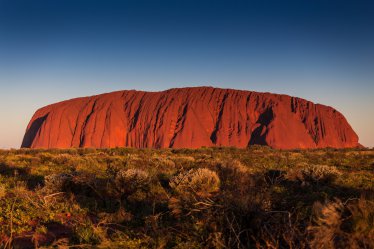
(183, 198)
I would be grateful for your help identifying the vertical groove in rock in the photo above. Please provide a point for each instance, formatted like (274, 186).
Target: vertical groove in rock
(82, 138)
(213, 136)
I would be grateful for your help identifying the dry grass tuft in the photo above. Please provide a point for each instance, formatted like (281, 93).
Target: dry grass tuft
(3, 191)
(129, 180)
(341, 225)
(202, 182)
(314, 174)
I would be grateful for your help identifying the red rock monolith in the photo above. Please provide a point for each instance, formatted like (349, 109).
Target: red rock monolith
(188, 118)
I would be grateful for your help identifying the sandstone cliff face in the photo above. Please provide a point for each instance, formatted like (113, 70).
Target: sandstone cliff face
(190, 118)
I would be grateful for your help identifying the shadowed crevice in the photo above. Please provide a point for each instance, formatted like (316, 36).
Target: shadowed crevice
(259, 134)
(213, 136)
(33, 131)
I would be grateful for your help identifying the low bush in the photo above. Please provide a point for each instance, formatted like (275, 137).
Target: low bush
(202, 182)
(193, 191)
(343, 225)
(314, 174)
(57, 183)
(130, 180)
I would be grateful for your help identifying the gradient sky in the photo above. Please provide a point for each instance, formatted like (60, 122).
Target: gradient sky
(59, 49)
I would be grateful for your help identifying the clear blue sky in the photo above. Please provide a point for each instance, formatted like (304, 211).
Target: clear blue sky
(54, 50)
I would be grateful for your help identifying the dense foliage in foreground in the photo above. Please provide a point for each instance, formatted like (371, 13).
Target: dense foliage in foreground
(206, 198)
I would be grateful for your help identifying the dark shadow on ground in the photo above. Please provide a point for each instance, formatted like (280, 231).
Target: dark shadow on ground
(22, 174)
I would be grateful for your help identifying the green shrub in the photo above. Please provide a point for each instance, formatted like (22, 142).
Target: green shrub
(57, 183)
(85, 233)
